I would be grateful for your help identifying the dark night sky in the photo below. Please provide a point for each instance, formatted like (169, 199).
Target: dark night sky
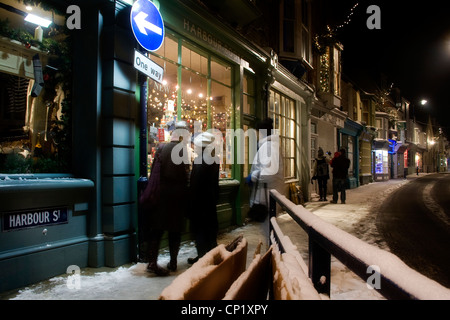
(412, 49)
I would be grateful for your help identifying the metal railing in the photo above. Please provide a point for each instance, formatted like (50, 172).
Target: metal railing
(395, 280)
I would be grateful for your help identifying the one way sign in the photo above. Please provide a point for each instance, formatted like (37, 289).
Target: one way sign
(147, 25)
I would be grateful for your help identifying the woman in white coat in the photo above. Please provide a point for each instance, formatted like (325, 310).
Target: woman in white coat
(267, 168)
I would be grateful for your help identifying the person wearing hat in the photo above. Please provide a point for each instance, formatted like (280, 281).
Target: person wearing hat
(321, 173)
(169, 214)
(204, 193)
(267, 170)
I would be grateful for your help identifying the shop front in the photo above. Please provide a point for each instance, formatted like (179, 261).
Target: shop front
(211, 81)
(45, 206)
(87, 215)
(365, 155)
(349, 140)
(380, 155)
(214, 79)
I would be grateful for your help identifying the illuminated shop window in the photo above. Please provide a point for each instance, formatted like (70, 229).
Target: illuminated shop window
(35, 102)
(197, 88)
(381, 162)
(282, 111)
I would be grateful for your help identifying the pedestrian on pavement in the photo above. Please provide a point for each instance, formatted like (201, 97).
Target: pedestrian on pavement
(171, 210)
(321, 174)
(267, 170)
(340, 167)
(204, 193)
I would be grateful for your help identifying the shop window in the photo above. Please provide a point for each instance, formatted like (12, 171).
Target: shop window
(282, 110)
(249, 94)
(198, 90)
(381, 162)
(35, 102)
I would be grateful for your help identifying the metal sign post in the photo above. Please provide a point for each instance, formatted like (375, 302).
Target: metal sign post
(148, 29)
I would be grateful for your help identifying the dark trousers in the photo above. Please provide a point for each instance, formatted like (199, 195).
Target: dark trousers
(205, 241)
(154, 240)
(322, 187)
(339, 186)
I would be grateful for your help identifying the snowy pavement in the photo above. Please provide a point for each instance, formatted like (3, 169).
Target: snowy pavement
(132, 282)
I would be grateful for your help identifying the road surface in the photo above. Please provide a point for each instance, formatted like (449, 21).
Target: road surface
(415, 222)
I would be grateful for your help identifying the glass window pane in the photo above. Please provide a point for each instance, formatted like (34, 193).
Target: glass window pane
(169, 48)
(249, 105)
(194, 60)
(221, 72)
(221, 108)
(162, 98)
(249, 84)
(194, 97)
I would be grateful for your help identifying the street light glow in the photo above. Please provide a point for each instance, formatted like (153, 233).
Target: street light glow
(423, 102)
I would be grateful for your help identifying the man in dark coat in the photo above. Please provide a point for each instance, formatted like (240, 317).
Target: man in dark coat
(340, 167)
(171, 210)
(204, 193)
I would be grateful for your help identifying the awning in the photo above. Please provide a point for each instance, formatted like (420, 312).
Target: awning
(380, 144)
(402, 148)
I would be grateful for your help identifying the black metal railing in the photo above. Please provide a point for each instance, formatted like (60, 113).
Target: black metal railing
(382, 270)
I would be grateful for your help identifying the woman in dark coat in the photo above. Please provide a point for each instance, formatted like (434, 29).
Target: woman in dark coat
(204, 193)
(172, 207)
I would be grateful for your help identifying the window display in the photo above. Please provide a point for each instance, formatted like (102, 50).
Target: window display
(197, 89)
(35, 73)
(381, 162)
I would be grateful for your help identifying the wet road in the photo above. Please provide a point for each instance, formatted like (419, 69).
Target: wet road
(415, 222)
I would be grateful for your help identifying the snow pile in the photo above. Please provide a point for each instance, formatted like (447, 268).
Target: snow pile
(219, 267)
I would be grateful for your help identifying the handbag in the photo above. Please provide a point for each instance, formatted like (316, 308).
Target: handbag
(258, 211)
(150, 197)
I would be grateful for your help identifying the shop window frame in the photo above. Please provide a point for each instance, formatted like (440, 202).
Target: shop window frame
(211, 81)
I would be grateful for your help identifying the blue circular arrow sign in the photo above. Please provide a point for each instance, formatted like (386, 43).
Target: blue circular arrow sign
(147, 25)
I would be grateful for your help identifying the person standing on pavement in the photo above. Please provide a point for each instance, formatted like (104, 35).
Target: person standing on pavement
(267, 170)
(204, 193)
(340, 167)
(321, 174)
(171, 210)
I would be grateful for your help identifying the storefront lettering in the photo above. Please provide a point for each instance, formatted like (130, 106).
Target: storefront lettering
(208, 38)
(27, 219)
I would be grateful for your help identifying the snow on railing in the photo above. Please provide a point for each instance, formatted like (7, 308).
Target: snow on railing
(395, 280)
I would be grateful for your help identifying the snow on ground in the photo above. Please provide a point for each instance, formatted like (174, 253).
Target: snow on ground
(131, 281)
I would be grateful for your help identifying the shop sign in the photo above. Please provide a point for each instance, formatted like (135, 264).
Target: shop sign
(34, 218)
(148, 67)
(147, 24)
(161, 135)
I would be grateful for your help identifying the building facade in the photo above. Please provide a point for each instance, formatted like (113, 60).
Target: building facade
(214, 79)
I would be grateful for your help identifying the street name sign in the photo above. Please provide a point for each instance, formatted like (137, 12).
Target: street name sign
(148, 67)
(147, 25)
(34, 218)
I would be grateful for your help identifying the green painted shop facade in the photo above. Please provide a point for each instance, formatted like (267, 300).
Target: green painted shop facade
(89, 215)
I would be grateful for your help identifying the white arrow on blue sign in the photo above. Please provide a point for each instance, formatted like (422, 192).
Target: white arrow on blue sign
(147, 25)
